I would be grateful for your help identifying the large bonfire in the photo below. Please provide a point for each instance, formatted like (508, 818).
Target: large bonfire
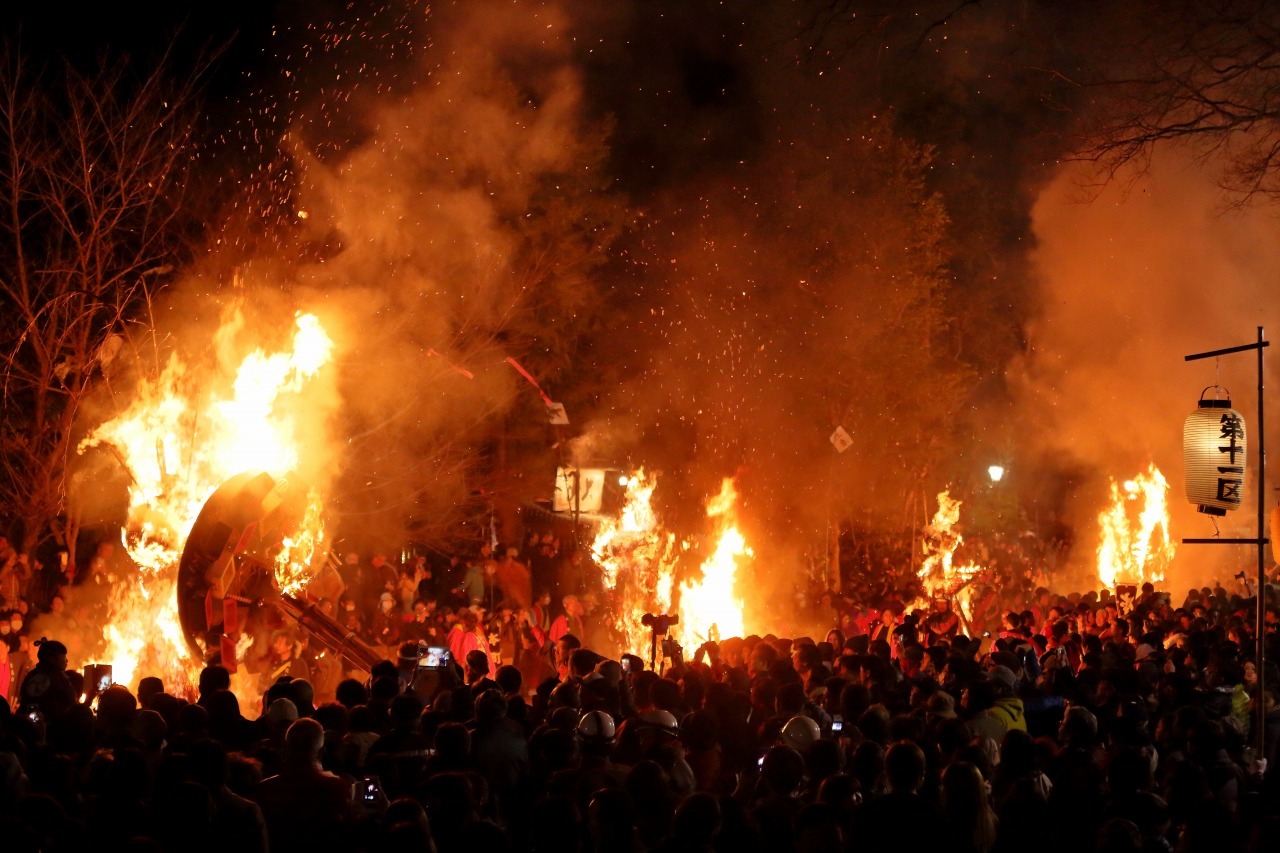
(185, 434)
(637, 559)
(940, 576)
(711, 606)
(179, 441)
(640, 562)
(1134, 542)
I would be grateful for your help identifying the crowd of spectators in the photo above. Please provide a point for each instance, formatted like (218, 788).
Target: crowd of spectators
(486, 595)
(1074, 722)
(485, 601)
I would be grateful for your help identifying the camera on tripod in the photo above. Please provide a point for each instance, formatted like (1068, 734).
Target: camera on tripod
(659, 624)
(658, 627)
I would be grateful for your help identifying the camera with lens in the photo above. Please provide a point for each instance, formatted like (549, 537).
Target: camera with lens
(659, 624)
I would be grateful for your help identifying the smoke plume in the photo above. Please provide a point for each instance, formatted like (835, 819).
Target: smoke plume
(1151, 269)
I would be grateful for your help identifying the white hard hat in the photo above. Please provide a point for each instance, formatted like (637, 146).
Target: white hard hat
(800, 732)
(596, 725)
(661, 719)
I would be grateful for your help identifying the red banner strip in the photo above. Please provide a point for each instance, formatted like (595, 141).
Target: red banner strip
(525, 374)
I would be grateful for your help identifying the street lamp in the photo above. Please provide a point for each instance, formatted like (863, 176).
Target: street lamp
(996, 473)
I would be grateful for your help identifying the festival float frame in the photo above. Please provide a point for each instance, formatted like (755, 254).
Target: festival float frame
(1261, 540)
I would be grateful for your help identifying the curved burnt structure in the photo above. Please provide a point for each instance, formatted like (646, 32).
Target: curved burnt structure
(226, 569)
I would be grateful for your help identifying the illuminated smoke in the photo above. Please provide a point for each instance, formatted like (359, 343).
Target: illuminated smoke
(1152, 269)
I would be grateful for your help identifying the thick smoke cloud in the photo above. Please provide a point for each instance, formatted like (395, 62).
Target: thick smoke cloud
(436, 228)
(1151, 269)
(422, 179)
(788, 278)
(785, 276)
(792, 265)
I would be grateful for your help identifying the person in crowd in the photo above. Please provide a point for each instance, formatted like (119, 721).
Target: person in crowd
(539, 614)
(468, 636)
(47, 688)
(381, 577)
(423, 624)
(1084, 723)
(283, 657)
(385, 628)
(305, 807)
(569, 621)
(414, 577)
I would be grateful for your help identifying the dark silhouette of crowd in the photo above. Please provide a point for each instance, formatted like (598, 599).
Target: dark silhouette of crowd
(1076, 723)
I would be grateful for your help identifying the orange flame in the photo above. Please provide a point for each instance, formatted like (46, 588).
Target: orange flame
(1134, 543)
(179, 443)
(711, 608)
(938, 573)
(295, 563)
(637, 561)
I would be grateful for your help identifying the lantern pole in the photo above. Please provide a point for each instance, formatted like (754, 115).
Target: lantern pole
(1260, 627)
(1260, 709)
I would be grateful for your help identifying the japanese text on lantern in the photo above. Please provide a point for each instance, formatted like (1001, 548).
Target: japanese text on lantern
(1233, 433)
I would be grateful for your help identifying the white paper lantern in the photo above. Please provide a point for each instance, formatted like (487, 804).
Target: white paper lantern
(1213, 457)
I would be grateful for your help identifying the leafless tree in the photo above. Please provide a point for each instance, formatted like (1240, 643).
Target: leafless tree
(1205, 73)
(91, 170)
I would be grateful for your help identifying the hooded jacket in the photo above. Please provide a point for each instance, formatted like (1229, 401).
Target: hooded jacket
(1008, 711)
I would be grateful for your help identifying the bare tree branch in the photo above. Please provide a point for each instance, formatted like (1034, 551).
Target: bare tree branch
(91, 171)
(1208, 77)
